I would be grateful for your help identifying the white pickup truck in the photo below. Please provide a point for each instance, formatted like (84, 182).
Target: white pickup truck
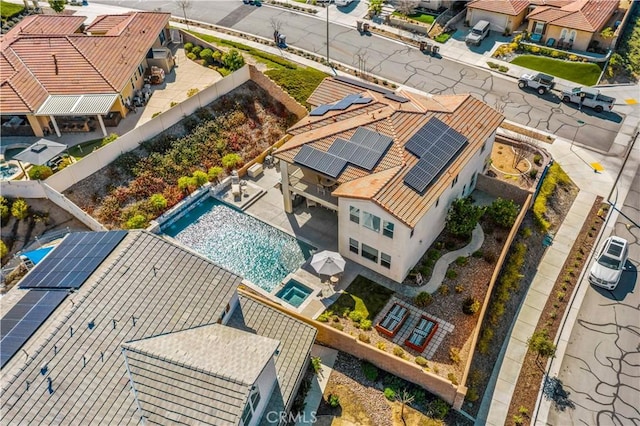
(586, 96)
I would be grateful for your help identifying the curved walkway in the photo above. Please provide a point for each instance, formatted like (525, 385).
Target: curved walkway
(442, 265)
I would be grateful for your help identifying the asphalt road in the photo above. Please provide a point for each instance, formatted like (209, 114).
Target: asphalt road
(601, 368)
(399, 63)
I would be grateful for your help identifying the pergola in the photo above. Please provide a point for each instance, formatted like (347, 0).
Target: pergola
(40, 153)
(83, 105)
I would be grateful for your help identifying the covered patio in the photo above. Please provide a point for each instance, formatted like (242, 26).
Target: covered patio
(76, 113)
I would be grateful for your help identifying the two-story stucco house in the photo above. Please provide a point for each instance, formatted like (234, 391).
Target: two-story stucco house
(389, 164)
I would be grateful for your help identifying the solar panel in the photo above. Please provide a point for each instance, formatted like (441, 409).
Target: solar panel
(436, 144)
(73, 260)
(323, 162)
(396, 98)
(342, 104)
(363, 85)
(320, 110)
(19, 324)
(365, 158)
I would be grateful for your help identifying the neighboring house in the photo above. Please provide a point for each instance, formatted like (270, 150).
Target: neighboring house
(429, 4)
(58, 75)
(503, 15)
(575, 25)
(152, 333)
(388, 164)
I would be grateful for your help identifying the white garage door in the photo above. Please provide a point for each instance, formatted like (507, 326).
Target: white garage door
(498, 22)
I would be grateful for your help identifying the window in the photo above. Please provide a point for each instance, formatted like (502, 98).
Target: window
(538, 28)
(370, 221)
(354, 246)
(387, 229)
(563, 34)
(141, 69)
(473, 180)
(369, 253)
(572, 36)
(133, 85)
(252, 404)
(354, 214)
(455, 180)
(163, 37)
(385, 260)
(464, 188)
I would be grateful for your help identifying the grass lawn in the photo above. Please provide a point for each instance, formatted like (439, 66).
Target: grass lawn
(296, 80)
(7, 10)
(582, 73)
(362, 295)
(420, 17)
(85, 148)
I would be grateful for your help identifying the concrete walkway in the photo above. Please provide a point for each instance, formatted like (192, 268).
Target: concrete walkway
(442, 265)
(319, 383)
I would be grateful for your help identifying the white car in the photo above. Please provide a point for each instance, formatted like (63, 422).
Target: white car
(607, 269)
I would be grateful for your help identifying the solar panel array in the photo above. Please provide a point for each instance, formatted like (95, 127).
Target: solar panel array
(436, 144)
(364, 149)
(389, 94)
(341, 105)
(19, 324)
(73, 260)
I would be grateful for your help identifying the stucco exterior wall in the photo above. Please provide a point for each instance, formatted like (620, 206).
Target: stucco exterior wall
(498, 21)
(581, 41)
(266, 383)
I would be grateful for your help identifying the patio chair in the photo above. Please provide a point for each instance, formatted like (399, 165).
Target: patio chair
(535, 38)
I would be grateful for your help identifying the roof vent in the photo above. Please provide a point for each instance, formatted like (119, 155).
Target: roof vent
(55, 62)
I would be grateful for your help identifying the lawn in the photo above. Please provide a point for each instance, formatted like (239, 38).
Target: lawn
(296, 80)
(362, 295)
(420, 17)
(7, 10)
(582, 73)
(85, 148)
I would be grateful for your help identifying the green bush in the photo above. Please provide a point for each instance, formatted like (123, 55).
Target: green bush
(452, 378)
(533, 173)
(337, 326)
(365, 324)
(39, 172)
(462, 261)
(444, 289)
(493, 65)
(433, 254)
(423, 299)
(398, 351)
(363, 337)
(20, 209)
(324, 317)
(214, 173)
(472, 395)
(4, 208)
(200, 177)
(138, 221)
(369, 370)
(207, 56)
(555, 176)
(231, 161)
(477, 254)
(438, 409)
(463, 217)
(454, 355)
(390, 394)
(155, 114)
(158, 202)
(334, 401)
(422, 362)
(537, 159)
(470, 306)
(196, 50)
(503, 68)
(442, 38)
(356, 316)
(188, 46)
(316, 364)
(108, 139)
(192, 56)
(503, 212)
(232, 60)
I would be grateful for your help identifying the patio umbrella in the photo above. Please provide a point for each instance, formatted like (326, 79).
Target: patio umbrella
(328, 263)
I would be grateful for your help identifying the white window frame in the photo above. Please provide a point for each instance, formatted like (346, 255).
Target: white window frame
(368, 250)
(354, 212)
(538, 28)
(385, 263)
(252, 404)
(370, 221)
(386, 231)
(354, 244)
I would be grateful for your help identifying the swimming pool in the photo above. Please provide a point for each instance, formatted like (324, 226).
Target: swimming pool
(240, 243)
(36, 256)
(294, 293)
(8, 170)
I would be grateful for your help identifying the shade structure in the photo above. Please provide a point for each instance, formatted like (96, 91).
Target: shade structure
(41, 152)
(328, 263)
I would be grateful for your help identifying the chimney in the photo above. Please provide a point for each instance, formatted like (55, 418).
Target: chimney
(55, 62)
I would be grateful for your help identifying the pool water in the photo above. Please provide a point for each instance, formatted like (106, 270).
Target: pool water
(37, 255)
(294, 293)
(240, 243)
(7, 170)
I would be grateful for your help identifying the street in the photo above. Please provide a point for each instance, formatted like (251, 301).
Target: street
(406, 65)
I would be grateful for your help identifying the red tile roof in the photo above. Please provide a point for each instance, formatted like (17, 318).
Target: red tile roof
(35, 66)
(584, 15)
(384, 185)
(507, 7)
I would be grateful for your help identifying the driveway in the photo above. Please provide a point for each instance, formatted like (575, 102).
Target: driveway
(405, 65)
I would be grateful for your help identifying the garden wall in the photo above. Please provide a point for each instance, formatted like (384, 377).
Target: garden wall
(131, 140)
(496, 272)
(505, 190)
(277, 93)
(39, 189)
(406, 370)
(409, 26)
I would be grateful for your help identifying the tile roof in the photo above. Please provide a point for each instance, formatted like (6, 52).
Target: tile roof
(296, 339)
(584, 15)
(73, 63)
(146, 286)
(507, 7)
(384, 184)
(216, 363)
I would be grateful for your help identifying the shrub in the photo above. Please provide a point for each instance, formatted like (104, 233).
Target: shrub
(188, 46)
(138, 221)
(454, 355)
(472, 395)
(518, 420)
(324, 317)
(334, 401)
(337, 326)
(444, 289)
(537, 158)
(477, 254)
(369, 370)
(20, 209)
(316, 364)
(541, 344)
(232, 60)
(451, 274)
(200, 177)
(155, 114)
(556, 176)
(452, 378)
(390, 394)
(192, 56)
(523, 410)
(459, 288)
(422, 362)
(433, 254)
(503, 212)
(3, 249)
(108, 139)
(526, 232)
(214, 173)
(4, 208)
(560, 295)
(207, 56)
(196, 50)
(463, 217)
(381, 345)
(423, 299)
(503, 68)
(40, 172)
(492, 65)
(363, 337)
(231, 161)
(533, 173)
(438, 409)
(365, 324)
(462, 261)
(356, 316)
(398, 351)
(485, 340)
(470, 305)
(158, 202)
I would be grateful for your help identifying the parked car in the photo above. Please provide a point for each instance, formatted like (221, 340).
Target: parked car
(540, 82)
(479, 32)
(607, 269)
(586, 96)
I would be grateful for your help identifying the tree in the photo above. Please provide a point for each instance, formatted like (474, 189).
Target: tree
(541, 344)
(57, 5)
(404, 398)
(463, 217)
(503, 212)
(184, 5)
(407, 7)
(375, 7)
(20, 209)
(233, 60)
